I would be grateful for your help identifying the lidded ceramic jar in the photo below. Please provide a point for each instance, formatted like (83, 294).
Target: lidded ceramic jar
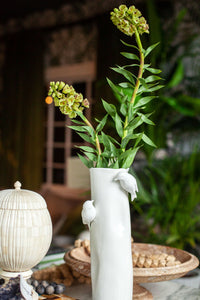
(25, 231)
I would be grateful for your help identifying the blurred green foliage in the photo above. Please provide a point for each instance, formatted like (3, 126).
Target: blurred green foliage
(168, 200)
(177, 101)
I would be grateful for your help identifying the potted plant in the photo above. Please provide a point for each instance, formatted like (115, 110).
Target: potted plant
(109, 158)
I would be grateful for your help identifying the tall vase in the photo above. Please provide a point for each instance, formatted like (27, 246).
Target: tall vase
(110, 237)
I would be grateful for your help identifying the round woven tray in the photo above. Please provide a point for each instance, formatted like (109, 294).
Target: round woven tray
(79, 261)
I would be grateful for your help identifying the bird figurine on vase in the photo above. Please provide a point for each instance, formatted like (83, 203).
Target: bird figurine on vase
(128, 183)
(88, 212)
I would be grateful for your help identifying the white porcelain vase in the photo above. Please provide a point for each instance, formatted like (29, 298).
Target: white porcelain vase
(108, 217)
(25, 231)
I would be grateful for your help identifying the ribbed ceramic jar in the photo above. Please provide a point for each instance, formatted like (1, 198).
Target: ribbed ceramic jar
(110, 238)
(25, 231)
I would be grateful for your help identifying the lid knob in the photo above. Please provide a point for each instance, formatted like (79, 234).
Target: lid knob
(17, 185)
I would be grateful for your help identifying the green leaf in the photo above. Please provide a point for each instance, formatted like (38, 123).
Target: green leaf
(149, 88)
(146, 66)
(77, 122)
(86, 162)
(131, 109)
(155, 88)
(152, 78)
(107, 154)
(99, 162)
(142, 81)
(86, 138)
(148, 141)
(87, 129)
(118, 125)
(128, 157)
(78, 128)
(86, 148)
(134, 123)
(114, 87)
(142, 90)
(130, 55)
(129, 45)
(115, 165)
(127, 94)
(105, 141)
(123, 109)
(145, 119)
(139, 138)
(110, 108)
(144, 101)
(97, 120)
(102, 123)
(91, 156)
(132, 65)
(113, 151)
(153, 71)
(91, 131)
(126, 85)
(128, 138)
(150, 48)
(112, 140)
(127, 74)
(129, 160)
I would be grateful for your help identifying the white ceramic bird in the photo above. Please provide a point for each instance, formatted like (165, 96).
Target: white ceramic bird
(128, 183)
(88, 212)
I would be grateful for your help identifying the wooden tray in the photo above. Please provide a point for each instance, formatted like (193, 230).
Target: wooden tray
(79, 261)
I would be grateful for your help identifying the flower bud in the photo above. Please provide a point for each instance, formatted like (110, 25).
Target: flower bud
(52, 84)
(56, 101)
(85, 103)
(72, 115)
(128, 20)
(50, 92)
(59, 95)
(62, 102)
(66, 89)
(61, 85)
(65, 96)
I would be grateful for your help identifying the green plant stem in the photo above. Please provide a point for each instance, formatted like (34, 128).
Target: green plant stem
(137, 84)
(87, 122)
(141, 68)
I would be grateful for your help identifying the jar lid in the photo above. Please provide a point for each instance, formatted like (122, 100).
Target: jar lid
(18, 198)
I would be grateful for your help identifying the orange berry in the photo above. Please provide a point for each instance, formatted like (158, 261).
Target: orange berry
(48, 99)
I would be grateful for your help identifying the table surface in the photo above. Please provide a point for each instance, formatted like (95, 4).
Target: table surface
(185, 288)
(167, 290)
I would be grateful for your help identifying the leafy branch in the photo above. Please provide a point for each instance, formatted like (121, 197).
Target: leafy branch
(105, 150)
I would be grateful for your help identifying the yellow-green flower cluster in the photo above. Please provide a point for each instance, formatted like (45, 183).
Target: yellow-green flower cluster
(65, 96)
(128, 20)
